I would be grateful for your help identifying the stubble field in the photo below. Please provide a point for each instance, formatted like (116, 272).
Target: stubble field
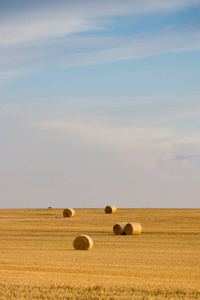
(37, 259)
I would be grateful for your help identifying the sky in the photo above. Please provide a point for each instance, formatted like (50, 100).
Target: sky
(100, 103)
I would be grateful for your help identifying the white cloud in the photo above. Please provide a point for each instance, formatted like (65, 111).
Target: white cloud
(43, 36)
(5, 75)
(145, 111)
(62, 18)
(139, 46)
(42, 29)
(123, 140)
(185, 157)
(93, 159)
(108, 50)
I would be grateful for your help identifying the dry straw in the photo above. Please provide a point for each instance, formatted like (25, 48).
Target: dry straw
(83, 242)
(68, 212)
(110, 209)
(51, 207)
(119, 228)
(133, 228)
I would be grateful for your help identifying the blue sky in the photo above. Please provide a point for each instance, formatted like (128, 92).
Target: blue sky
(100, 103)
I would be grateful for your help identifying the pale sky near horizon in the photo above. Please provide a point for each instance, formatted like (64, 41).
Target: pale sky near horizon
(100, 103)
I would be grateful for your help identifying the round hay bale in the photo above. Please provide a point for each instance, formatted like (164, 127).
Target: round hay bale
(51, 207)
(83, 242)
(68, 212)
(119, 228)
(133, 228)
(110, 209)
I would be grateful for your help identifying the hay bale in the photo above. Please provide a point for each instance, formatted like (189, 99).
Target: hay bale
(68, 212)
(110, 209)
(119, 228)
(83, 242)
(51, 207)
(133, 228)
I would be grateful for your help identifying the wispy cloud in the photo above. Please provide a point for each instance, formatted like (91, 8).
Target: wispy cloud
(61, 18)
(122, 142)
(99, 50)
(8, 74)
(45, 34)
(102, 131)
(138, 46)
(141, 112)
(185, 157)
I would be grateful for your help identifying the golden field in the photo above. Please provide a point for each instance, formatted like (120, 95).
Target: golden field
(37, 259)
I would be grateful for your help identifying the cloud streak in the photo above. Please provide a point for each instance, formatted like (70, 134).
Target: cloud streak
(186, 157)
(141, 112)
(98, 50)
(51, 20)
(140, 46)
(44, 34)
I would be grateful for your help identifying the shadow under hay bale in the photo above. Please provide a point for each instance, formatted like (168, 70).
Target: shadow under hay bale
(110, 209)
(68, 213)
(119, 228)
(83, 242)
(133, 228)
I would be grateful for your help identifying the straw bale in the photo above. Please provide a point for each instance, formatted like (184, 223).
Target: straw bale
(110, 209)
(51, 207)
(133, 228)
(68, 212)
(83, 242)
(119, 228)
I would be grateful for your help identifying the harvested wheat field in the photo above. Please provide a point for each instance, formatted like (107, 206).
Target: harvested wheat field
(38, 261)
